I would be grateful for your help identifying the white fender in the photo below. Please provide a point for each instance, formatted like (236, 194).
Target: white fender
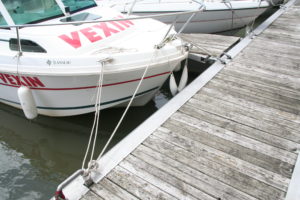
(173, 85)
(27, 102)
(183, 79)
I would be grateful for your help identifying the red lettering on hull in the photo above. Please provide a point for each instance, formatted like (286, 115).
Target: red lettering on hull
(126, 23)
(3, 78)
(90, 34)
(74, 40)
(19, 82)
(93, 33)
(106, 30)
(35, 81)
(13, 80)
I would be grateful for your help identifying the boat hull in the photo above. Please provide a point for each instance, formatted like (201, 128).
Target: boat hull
(217, 21)
(68, 95)
(216, 16)
(212, 21)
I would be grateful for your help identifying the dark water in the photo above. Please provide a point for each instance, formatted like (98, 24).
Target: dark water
(35, 156)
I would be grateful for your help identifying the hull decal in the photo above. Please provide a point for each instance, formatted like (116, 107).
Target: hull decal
(96, 32)
(88, 87)
(211, 20)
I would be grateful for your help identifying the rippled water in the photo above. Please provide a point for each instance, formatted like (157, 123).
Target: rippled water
(35, 156)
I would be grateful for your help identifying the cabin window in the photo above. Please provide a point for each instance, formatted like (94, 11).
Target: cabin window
(30, 11)
(81, 17)
(2, 20)
(27, 46)
(77, 5)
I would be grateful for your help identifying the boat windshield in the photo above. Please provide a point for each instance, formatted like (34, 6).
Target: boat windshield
(30, 11)
(2, 20)
(77, 5)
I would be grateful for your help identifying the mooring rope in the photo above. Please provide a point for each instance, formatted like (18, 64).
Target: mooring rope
(226, 2)
(253, 22)
(19, 54)
(128, 106)
(94, 130)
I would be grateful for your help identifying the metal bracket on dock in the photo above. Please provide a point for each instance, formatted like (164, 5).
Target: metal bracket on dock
(59, 193)
(88, 181)
(227, 55)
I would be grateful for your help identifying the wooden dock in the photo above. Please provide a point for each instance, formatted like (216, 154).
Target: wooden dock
(208, 45)
(238, 137)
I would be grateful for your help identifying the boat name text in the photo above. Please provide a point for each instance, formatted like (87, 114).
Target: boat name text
(58, 62)
(96, 32)
(21, 80)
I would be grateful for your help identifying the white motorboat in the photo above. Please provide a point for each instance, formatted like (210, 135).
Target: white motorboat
(217, 15)
(60, 66)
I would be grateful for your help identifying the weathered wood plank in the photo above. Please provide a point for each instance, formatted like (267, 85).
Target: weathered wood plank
(290, 63)
(91, 196)
(283, 27)
(284, 128)
(267, 64)
(290, 23)
(275, 53)
(102, 191)
(237, 150)
(274, 176)
(238, 139)
(189, 175)
(284, 82)
(292, 12)
(284, 37)
(208, 43)
(288, 51)
(285, 98)
(136, 185)
(277, 32)
(213, 111)
(278, 44)
(291, 15)
(161, 179)
(203, 38)
(113, 190)
(253, 96)
(203, 158)
(240, 100)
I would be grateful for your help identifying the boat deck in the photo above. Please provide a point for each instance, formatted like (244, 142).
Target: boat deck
(238, 137)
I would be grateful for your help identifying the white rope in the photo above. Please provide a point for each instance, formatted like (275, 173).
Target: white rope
(253, 22)
(232, 11)
(19, 54)
(201, 8)
(94, 130)
(98, 110)
(129, 104)
(236, 15)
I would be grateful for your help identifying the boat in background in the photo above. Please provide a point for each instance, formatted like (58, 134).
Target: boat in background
(217, 15)
(277, 2)
(61, 66)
